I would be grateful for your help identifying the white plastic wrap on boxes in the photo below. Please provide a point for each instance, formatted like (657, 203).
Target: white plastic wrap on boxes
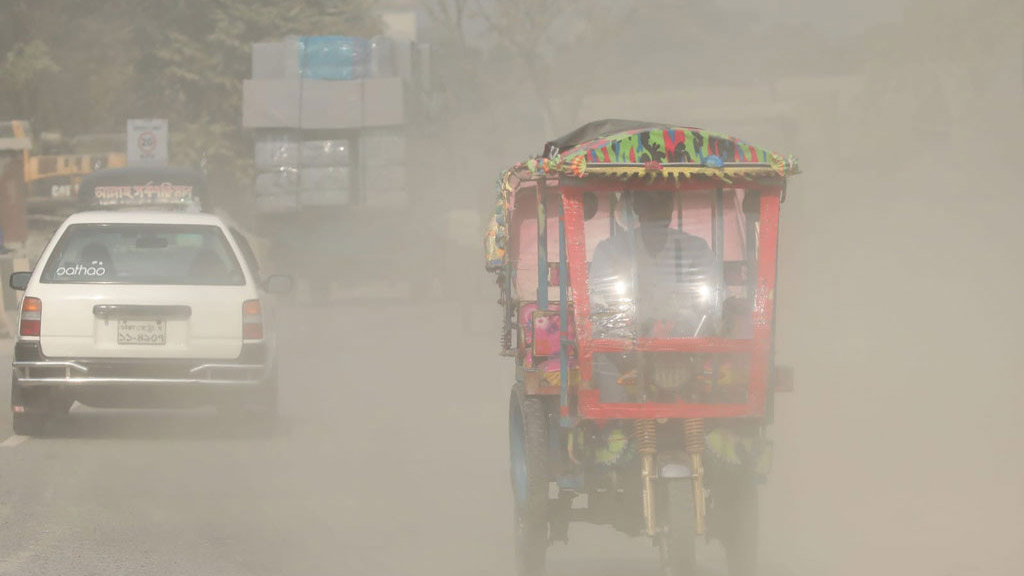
(325, 153)
(277, 182)
(387, 147)
(325, 104)
(325, 178)
(273, 151)
(270, 103)
(382, 57)
(383, 102)
(331, 104)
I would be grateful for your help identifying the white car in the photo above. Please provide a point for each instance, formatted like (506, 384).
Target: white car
(144, 309)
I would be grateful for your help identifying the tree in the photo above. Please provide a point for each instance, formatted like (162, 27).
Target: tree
(23, 68)
(176, 59)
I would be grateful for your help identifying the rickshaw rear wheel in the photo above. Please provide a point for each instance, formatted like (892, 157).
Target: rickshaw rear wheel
(528, 447)
(739, 533)
(678, 538)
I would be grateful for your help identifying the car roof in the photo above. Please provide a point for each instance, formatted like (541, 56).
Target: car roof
(143, 217)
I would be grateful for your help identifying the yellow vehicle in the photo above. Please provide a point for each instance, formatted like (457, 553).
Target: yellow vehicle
(52, 179)
(39, 178)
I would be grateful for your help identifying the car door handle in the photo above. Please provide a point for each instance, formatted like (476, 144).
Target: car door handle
(169, 312)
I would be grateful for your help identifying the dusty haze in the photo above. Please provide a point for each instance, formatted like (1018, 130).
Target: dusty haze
(901, 451)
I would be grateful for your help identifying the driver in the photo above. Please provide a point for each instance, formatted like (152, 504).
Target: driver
(654, 281)
(664, 275)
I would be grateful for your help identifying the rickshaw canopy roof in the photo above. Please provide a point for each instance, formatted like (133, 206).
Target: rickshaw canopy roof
(630, 148)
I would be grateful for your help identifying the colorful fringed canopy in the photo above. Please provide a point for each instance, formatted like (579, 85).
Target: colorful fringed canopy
(630, 149)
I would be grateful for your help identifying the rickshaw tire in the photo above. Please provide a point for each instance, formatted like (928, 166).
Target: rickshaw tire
(531, 516)
(740, 538)
(680, 540)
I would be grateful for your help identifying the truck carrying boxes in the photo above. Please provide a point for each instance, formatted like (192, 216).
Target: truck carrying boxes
(331, 118)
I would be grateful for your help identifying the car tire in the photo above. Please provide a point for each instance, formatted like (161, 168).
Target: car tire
(34, 414)
(29, 424)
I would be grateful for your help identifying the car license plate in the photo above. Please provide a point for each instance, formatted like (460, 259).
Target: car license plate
(145, 332)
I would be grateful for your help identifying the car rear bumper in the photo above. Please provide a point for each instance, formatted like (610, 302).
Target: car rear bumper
(33, 370)
(75, 374)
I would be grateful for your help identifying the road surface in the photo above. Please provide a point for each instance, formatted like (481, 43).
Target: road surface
(391, 459)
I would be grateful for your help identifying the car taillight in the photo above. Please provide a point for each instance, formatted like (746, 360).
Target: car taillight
(31, 316)
(252, 320)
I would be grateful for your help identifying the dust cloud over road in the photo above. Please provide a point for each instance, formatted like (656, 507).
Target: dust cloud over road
(900, 452)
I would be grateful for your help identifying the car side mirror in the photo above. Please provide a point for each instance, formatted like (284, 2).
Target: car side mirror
(278, 284)
(19, 280)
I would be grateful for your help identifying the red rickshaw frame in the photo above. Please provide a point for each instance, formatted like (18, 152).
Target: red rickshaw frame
(759, 346)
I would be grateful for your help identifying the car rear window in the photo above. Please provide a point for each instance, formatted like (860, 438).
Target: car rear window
(143, 254)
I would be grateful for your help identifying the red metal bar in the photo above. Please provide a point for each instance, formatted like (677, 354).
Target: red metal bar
(694, 345)
(764, 297)
(576, 250)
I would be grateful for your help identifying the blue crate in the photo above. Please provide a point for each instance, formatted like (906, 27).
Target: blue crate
(335, 57)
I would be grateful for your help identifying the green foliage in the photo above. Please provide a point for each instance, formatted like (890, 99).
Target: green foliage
(26, 62)
(85, 67)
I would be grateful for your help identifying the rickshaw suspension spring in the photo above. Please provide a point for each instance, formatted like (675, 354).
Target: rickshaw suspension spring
(693, 436)
(693, 433)
(646, 437)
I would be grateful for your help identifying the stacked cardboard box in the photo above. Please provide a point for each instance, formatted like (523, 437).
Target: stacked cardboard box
(276, 160)
(292, 172)
(310, 100)
(324, 83)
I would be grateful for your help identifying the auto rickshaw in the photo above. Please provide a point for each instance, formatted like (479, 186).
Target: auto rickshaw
(636, 265)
